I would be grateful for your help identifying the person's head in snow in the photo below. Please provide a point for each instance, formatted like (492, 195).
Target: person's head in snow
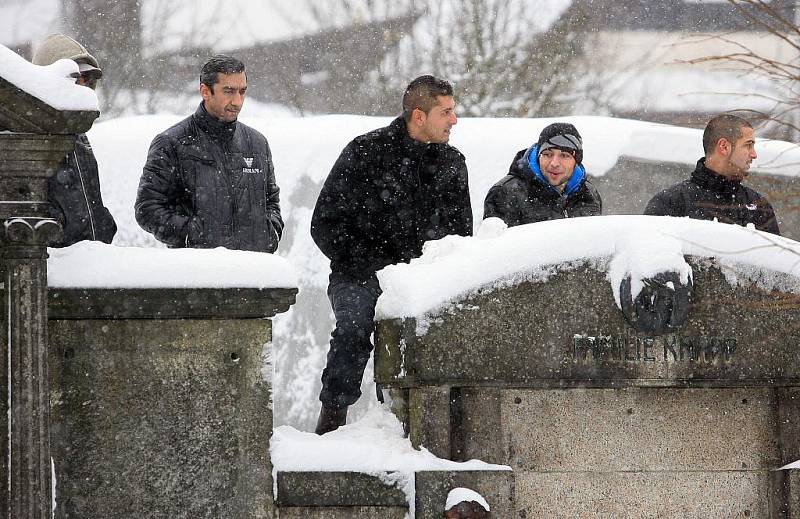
(463, 503)
(61, 46)
(715, 191)
(223, 84)
(390, 191)
(74, 191)
(545, 182)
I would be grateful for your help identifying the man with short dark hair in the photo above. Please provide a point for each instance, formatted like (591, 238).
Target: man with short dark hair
(715, 190)
(390, 191)
(545, 182)
(209, 180)
(74, 191)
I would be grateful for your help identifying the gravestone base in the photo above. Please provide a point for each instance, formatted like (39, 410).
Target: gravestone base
(161, 418)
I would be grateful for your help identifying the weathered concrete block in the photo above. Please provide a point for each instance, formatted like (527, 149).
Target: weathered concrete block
(653, 429)
(497, 487)
(478, 427)
(638, 495)
(429, 419)
(336, 489)
(161, 418)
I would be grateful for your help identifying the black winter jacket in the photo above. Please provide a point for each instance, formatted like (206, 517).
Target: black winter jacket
(706, 196)
(207, 183)
(75, 201)
(385, 196)
(520, 198)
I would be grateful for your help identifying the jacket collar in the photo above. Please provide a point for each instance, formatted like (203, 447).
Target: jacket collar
(712, 181)
(212, 125)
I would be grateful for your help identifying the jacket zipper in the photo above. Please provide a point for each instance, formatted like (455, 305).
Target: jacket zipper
(85, 197)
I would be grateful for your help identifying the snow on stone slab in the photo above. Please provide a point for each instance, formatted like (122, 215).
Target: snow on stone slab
(458, 495)
(790, 466)
(640, 246)
(375, 445)
(53, 84)
(98, 265)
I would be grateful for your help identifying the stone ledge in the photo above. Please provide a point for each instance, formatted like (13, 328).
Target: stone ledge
(22, 112)
(168, 303)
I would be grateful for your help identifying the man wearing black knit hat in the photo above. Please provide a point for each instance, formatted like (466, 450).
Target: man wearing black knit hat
(545, 182)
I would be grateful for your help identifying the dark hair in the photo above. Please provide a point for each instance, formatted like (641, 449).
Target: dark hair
(422, 93)
(725, 126)
(219, 63)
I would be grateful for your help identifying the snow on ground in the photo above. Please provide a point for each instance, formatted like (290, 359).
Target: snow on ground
(382, 447)
(304, 149)
(640, 246)
(53, 84)
(98, 265)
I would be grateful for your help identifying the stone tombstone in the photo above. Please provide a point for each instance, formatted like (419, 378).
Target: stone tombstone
(600, 420)
(34, 138)
(161, 402)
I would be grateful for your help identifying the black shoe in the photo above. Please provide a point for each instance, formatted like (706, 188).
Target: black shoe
(330, 419)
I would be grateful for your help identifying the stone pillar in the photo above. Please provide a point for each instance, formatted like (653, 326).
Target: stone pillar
(26, 161)
(34, 139)
(25, 276)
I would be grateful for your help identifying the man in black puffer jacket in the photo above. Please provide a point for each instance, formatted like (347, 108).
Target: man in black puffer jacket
(715, 189)
(74, 191)
(390, 191)
(545, 182)
(209, 180)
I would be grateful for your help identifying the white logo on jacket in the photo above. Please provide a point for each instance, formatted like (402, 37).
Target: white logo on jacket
(249, 162)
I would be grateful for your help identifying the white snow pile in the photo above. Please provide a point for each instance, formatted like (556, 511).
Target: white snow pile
(53, 84)
(374, 445)
(640, 246)
(97, 265)
(460, 494)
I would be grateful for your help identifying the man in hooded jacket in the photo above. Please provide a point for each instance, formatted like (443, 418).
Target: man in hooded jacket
(390, 191)
(545, 182)
(74, 191)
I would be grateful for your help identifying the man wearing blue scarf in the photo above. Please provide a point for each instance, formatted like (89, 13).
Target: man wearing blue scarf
(545, 182)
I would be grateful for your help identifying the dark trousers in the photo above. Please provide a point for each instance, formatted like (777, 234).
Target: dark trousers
(353, 303)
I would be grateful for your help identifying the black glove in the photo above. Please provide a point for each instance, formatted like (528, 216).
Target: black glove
(658, 309)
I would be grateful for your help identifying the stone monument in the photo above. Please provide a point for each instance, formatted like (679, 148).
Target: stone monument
(598, 418)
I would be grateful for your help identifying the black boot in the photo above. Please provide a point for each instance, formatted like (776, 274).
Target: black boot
(330, 419)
